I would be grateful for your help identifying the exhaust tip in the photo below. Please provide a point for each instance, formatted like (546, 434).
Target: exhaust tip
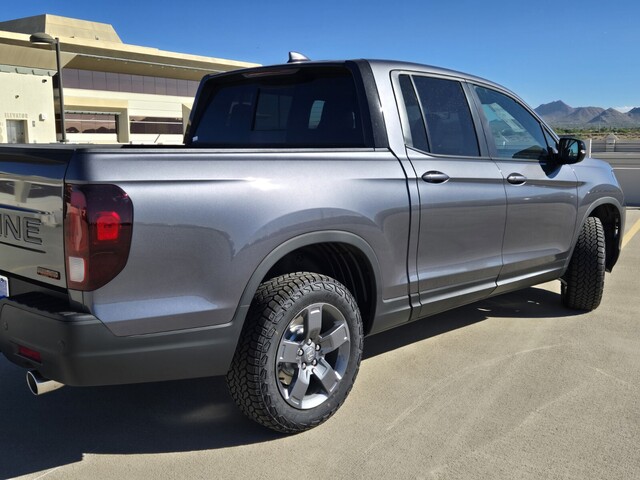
(39, 385)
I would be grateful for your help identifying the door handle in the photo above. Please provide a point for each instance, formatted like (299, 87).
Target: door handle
(516, 179)
(435, 177)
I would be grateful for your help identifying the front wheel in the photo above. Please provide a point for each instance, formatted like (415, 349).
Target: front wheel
(299, 353)
(583, 282)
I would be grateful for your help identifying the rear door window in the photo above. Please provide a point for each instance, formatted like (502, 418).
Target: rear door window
(299, 107)
(446, 115)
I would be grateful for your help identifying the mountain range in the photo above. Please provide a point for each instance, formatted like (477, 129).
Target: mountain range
(559, 114)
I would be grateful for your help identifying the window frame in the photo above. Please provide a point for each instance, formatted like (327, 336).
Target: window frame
(546, 131)
(478, 128)
(211, 83)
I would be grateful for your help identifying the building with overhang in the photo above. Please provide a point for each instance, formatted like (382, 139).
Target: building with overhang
(113, 92)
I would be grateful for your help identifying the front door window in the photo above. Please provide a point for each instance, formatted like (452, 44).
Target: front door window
(516, 133)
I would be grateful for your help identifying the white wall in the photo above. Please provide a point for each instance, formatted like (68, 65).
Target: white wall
(30, 97)
(27, 97)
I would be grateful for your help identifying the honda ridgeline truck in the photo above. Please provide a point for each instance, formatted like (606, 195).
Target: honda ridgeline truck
(312, 204)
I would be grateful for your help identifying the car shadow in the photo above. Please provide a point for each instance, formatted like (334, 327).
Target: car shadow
(534, 302)
(41, 433)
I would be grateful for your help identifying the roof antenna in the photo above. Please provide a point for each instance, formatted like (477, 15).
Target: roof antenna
(295, 57)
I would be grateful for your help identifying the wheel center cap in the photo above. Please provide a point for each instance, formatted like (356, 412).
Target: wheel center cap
(309, 354)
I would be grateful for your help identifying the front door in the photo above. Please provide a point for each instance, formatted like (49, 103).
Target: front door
(541, 194)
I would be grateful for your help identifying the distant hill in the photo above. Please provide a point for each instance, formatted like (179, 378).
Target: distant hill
(634, 113)
(613, 118)
(582, 115)
(553, 111)
(559, 114)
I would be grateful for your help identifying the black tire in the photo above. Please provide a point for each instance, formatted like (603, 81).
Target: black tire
(299, 352)
(583, 282)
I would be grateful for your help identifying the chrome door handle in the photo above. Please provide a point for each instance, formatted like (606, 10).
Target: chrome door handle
(435, 177)
(516, 179)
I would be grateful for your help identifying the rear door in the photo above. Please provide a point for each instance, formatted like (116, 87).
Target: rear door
(462, 197)
(541, 195)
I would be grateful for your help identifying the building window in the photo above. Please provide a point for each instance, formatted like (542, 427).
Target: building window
(123, 82)
(156, 125)
(94, 123)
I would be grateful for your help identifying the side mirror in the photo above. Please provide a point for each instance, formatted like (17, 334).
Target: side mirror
(571, 150)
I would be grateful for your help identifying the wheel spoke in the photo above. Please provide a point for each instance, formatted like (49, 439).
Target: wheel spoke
(312, 321)
(334, 338)
(288, 352)
(300, 387)
(328, 377)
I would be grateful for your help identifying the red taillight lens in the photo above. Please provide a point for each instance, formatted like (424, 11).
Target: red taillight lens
(97, 230)
(108, 226)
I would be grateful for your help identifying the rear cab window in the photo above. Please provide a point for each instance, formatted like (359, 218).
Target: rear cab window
(303, 107)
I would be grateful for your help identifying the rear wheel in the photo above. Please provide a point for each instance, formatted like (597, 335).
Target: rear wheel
(583, 282)
(299, 353)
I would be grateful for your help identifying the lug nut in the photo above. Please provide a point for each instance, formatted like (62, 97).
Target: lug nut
(304, 365)
(309, 342)
(314, 363)
(300, 352)
(317, 347)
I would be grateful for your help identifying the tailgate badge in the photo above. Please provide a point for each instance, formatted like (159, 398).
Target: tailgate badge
(45, 272)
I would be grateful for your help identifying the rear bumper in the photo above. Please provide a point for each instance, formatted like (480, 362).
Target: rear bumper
(78, 349)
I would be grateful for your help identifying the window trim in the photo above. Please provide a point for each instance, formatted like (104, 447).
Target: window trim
(210, 83)
(483, 148)
(488, 135)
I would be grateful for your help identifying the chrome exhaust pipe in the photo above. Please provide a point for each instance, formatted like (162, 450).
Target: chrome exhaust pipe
(40, 385)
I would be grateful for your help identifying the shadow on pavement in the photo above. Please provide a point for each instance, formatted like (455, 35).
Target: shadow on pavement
(190, 415)
(528, 303)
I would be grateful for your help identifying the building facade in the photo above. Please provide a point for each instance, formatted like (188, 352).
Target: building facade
(113, 92)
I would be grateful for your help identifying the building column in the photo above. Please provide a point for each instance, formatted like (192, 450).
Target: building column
(123, 126)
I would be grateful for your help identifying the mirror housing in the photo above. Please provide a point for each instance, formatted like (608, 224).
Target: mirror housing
(571, 150)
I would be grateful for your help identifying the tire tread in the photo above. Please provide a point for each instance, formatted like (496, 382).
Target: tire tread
(246, 377)
(584, 280)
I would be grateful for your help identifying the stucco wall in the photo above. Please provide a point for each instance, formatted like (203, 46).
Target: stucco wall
(27, 97)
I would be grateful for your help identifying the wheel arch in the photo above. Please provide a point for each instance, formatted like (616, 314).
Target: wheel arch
(343, 256)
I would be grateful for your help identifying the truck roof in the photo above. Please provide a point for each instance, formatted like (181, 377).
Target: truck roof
(382, 65)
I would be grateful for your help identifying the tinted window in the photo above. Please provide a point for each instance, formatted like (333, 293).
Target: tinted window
(450, 128)
(516, 133)
(80, 122)
(122, 82)
(303, 107)
(159, 125)
(414, 115)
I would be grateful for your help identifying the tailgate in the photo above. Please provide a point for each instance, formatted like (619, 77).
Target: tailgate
(32, 212)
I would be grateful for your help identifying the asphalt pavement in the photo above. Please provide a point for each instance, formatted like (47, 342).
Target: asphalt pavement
(515, 387)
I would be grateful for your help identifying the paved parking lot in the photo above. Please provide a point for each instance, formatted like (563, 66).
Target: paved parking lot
(513, 387)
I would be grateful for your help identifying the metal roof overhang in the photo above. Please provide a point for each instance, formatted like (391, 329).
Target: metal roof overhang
(16, 49)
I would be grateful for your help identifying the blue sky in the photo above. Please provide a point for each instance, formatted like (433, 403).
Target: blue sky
(584, 53)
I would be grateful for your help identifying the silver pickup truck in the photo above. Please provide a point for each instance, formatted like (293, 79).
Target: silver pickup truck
(312, 204)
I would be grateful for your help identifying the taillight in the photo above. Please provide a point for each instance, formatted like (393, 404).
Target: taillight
(97, 234)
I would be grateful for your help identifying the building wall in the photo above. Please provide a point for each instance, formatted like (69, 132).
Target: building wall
(125, 106)
(113, 92)
(27, 98)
